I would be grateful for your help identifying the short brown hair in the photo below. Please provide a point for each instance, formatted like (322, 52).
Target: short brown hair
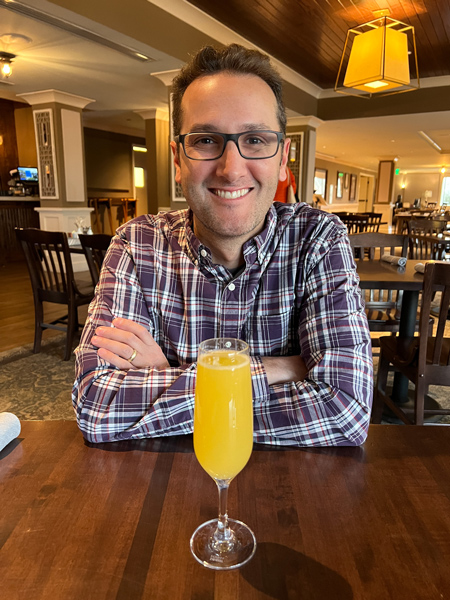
(232, 59)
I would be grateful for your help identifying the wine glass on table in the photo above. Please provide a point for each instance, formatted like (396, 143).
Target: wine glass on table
(223, 442)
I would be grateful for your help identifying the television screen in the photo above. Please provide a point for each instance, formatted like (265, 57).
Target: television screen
(28, 174)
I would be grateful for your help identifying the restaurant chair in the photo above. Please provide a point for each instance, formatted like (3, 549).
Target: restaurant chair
(427, 247)
(426, 226)
(424, 360)
(373, 221)
(49, 264)
(95, 247)
(382, 306)
(355, 223)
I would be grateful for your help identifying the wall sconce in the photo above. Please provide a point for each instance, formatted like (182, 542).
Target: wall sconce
(443, 170)
(293, 152)
(375, 59)
(6, 59)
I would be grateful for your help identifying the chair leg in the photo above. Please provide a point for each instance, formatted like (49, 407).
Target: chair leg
(419, 400)
(378, 404)
(71, 324)
(38, 319)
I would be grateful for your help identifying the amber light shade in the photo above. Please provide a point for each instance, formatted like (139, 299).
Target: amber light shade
(379, 55)
(378, 60)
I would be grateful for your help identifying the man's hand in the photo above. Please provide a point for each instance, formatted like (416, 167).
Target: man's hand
(283, 369)
(117, 345)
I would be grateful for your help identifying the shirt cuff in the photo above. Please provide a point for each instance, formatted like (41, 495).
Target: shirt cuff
(260, 384)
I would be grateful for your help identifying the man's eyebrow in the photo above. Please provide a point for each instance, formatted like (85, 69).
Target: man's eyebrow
(209, 127)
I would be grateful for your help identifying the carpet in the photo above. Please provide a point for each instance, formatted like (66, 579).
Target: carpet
(39, 386)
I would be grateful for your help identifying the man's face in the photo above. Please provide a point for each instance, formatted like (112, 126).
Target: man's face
(229, 196)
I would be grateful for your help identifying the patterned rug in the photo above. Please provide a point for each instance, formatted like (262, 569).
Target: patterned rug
(38, 386)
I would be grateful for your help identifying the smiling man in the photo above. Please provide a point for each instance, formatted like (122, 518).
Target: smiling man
(235, 264)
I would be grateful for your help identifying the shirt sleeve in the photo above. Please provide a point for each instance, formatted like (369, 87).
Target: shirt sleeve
(111, 404)
(332, 406)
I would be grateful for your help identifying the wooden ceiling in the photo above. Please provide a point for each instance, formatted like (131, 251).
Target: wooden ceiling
(309, 35)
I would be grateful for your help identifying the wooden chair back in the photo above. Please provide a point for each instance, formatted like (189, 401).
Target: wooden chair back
(437, 275)
(95, 247)
(426, 247)
(372, 245)
(374, 221)
(49, 264)
(426, 226)
(355, 223)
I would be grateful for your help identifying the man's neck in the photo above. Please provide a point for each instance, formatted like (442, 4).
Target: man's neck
(225, 251)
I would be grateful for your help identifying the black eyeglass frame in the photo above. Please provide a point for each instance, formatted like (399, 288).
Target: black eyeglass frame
(234, 137)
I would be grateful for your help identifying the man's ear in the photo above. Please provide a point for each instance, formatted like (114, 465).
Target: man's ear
(176, 161)
(284, 160)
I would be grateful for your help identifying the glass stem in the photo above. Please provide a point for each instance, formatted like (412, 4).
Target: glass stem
(223, 533)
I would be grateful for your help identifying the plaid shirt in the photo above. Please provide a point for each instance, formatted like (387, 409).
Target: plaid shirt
(298, 294)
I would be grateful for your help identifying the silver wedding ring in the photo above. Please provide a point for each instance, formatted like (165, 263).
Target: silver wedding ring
(132, 357)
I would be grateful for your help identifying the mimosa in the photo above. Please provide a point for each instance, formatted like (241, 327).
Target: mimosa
(223, 416)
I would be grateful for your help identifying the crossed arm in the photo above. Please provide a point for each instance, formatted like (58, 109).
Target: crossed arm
(117, 344)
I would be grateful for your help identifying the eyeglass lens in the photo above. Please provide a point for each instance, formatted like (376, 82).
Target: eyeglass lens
(252, 144)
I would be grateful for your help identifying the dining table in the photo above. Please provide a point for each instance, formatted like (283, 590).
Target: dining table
(112, 521)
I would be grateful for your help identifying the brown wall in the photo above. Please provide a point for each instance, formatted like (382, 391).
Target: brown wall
(9, 158)
(109, 163)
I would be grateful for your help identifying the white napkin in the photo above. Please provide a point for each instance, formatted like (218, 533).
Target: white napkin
(394, 260)
(420, 268)
(9, 428)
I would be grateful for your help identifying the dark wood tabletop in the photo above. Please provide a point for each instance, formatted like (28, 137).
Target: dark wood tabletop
(113, 521)
(379, 274)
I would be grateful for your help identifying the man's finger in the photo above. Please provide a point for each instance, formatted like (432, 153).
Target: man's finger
(133, 327)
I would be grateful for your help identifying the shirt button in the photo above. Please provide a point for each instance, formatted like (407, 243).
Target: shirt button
(231, 287)
(204, 253)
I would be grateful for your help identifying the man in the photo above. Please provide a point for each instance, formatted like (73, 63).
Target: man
(235, 264)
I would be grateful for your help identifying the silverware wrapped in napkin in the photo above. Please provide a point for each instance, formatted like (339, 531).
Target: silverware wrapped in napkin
(420, 268)
(9, 428)
(400, 261)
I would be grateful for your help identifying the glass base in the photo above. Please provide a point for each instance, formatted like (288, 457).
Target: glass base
(218, 552)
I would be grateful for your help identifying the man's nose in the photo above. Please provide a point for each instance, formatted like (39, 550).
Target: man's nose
(231, 164)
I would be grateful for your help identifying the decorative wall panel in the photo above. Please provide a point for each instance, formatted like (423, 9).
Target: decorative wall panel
(45, 143)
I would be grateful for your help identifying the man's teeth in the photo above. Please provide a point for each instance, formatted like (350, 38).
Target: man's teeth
(230, 195)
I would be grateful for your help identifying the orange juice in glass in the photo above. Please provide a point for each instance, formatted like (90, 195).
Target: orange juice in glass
(223, 441)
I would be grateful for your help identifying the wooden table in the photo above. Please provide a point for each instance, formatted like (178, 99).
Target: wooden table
(113, 521)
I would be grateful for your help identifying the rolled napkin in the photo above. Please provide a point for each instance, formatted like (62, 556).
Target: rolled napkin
(9, 428)
(420, 268)
(400, 261)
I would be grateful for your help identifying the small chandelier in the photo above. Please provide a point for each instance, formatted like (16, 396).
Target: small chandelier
(6, 59)
(376, 59)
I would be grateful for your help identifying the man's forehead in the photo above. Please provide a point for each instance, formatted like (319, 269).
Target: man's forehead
(232, 94)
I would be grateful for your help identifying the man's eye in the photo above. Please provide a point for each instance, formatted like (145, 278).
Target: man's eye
(202, 141)
(254, 140)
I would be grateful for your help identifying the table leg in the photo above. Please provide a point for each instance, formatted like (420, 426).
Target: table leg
(408, 319)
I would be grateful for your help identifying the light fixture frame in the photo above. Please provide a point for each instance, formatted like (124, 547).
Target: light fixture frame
(364, 28)
(6, 58)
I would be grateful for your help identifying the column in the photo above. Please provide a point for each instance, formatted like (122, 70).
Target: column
(177, 200)
(157, 136)
(385, 189)
(302, 131)
(60, 151)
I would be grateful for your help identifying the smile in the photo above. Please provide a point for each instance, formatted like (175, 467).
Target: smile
(231, 195)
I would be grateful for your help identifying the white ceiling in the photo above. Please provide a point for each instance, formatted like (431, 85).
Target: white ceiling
(122, 86)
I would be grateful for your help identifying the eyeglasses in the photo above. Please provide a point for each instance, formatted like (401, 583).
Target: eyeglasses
(254, 145)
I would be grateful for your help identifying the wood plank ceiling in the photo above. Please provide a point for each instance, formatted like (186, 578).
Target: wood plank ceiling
(309, 35)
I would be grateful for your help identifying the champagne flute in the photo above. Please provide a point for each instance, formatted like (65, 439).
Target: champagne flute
(223, 442)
